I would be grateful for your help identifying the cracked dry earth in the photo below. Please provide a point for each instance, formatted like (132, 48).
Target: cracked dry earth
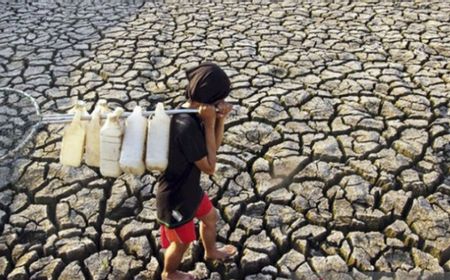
(335, 159)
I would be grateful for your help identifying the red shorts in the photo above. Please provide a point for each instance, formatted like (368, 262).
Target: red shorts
(185, 233)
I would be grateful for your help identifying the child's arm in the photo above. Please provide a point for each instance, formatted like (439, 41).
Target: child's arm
(208, 163)
(224, 110)
(220, 125)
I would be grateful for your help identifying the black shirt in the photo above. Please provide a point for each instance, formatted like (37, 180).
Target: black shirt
(179, 193)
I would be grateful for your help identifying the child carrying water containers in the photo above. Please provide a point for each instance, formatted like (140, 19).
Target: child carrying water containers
(194, 140)
(181, 147)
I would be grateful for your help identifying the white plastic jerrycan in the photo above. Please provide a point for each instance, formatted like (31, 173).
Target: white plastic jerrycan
(72, 145)
(110, 144)
(92, 155)
(133, 147)
(158, 140)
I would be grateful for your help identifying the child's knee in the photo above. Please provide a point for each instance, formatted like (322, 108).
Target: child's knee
(180, 246)
(212, 218)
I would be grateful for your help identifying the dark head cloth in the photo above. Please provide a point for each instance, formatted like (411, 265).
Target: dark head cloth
(207, 83)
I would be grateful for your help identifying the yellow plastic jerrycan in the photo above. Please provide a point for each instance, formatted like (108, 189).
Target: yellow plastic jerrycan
(92, 155)
(72, 145)
(110, 144)
(133, 147)
(158, 140)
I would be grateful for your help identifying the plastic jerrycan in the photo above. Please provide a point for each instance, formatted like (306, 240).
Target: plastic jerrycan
(133, 147)
(92, 155)
(73, 140)
(110, 144)
(157, 156)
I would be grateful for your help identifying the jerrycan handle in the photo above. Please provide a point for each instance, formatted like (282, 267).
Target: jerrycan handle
(159, 111)
(77, 117)
(116, 114)
(137, 111)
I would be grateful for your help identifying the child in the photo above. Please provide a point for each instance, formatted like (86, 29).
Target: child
(194, 141)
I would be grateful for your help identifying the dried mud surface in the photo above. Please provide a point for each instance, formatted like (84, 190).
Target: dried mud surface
(335, 159)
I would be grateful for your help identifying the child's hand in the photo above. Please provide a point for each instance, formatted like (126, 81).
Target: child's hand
(207, 114)
(224, 109)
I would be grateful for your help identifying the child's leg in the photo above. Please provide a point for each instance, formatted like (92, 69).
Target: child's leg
(208, 234)
(207, 214)
(172, 259)
(179, 239)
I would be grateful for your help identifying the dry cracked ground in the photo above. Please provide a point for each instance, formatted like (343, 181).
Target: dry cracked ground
(335, 159)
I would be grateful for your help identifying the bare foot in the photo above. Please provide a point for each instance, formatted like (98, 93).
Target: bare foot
(178, 275)
(221, 254)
